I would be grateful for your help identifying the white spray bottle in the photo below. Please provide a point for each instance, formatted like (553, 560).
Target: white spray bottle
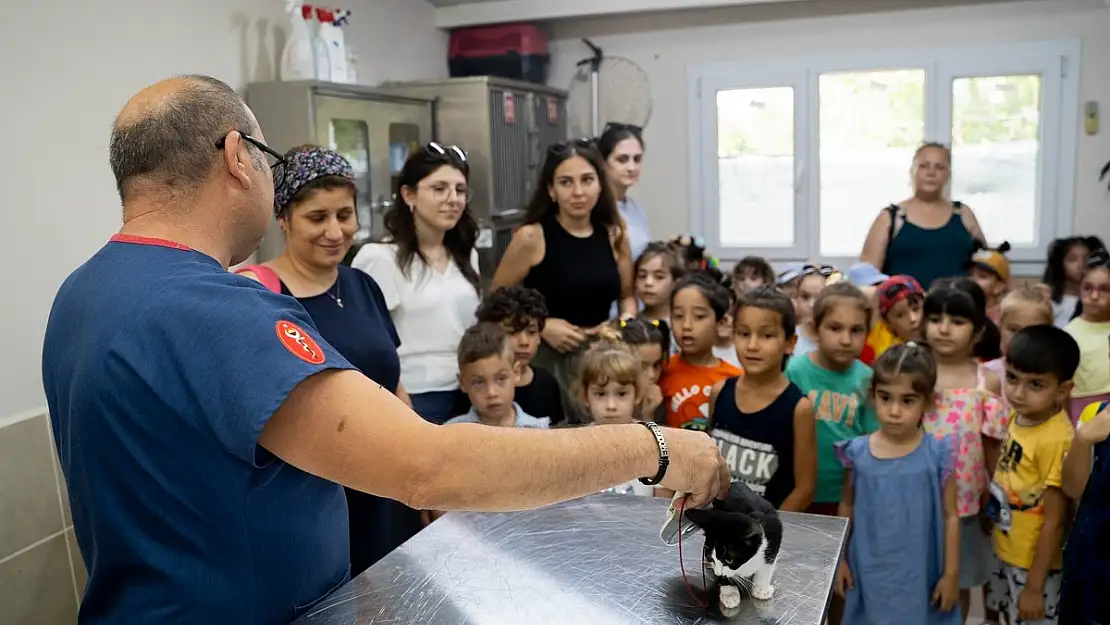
(297, 59)
(320, 47)
(337, 48)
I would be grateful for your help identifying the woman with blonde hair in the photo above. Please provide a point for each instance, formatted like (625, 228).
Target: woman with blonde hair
(927, 236)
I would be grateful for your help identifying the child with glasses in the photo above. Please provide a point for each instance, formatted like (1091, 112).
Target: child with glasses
(1091, 329)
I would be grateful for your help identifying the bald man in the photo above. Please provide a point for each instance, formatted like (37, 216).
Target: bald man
(204, 427)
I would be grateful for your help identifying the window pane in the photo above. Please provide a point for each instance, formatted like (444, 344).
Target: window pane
(870, 124)
(755, 162)
(995, 140)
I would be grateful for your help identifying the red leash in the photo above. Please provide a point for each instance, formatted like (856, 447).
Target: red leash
(682, 564)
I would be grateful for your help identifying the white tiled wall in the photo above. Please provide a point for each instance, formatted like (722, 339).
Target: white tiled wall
(41, 571)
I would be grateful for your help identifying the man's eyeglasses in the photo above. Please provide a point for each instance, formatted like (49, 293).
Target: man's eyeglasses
(436, 149)
(278, 167)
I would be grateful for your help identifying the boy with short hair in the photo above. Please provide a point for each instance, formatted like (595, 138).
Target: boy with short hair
(521, 312)
(488, 375)
(763, 423)
(1026, 501)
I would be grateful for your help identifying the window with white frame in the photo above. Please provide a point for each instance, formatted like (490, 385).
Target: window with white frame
(792, 159)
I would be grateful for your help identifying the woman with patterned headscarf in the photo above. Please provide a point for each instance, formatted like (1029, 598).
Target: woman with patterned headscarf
(314, 202)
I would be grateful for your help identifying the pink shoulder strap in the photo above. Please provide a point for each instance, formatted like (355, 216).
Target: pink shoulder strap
(267, 276)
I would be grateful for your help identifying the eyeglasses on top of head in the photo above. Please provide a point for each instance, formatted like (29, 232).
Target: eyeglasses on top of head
(583, 143)
(821, 270)
(618, 126)
(1098, 258)
(436, 149)
(278, 167)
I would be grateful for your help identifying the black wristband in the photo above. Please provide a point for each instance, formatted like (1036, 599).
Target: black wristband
(664, 454)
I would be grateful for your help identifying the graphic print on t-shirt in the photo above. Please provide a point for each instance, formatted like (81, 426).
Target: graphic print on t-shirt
(690, 407)
(835, 407)
(751, 462)
(1004, 501)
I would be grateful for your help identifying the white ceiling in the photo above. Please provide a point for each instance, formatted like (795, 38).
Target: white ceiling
(457, 13)
(451, 3)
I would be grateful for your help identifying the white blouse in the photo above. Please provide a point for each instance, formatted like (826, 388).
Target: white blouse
(430, 310)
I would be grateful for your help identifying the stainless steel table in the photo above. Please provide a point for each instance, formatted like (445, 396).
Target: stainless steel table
(593, 561)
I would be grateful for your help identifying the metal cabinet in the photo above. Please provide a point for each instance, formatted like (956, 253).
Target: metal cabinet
(506, 127)
(374, 130)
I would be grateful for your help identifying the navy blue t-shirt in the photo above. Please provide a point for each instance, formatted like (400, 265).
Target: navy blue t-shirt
(758, 446)
(361, 329)
(160, 370)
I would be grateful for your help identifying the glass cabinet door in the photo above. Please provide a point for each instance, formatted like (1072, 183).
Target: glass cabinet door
(376, 137)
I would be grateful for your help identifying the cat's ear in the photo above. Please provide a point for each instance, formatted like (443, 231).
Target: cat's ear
(701, 517)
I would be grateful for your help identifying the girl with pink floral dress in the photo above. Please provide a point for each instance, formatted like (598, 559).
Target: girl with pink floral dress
(966, 406)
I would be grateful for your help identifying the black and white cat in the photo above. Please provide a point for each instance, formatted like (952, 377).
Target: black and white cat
(742, 539)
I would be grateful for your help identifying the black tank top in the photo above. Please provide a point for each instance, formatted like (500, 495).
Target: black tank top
(577, 277)
(758, 446)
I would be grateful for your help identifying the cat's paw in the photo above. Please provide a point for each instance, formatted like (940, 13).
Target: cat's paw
(763, 593)
(730, 597)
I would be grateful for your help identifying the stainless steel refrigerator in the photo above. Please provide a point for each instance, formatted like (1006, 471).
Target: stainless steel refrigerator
(374, 129)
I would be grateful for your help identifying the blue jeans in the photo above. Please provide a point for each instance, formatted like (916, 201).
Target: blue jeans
(435, 406)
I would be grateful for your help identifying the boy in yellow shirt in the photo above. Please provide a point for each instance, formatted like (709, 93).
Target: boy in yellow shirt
(1026, 502)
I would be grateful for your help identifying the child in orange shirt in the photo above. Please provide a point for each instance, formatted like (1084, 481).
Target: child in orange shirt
(699, 309)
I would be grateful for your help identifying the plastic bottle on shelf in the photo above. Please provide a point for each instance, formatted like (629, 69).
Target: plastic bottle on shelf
(337, 46)
(352, 65)
(320, 46)
(298, 62)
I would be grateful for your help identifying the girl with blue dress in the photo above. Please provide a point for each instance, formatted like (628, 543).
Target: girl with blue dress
(903, 556)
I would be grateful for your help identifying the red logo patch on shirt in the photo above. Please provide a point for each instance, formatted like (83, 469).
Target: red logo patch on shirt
(296, 340)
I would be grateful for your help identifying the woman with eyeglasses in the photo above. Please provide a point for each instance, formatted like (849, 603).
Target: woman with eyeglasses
(622, 147)
(314, 202)
(428, 271)
(927, 236)
(573, 248)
